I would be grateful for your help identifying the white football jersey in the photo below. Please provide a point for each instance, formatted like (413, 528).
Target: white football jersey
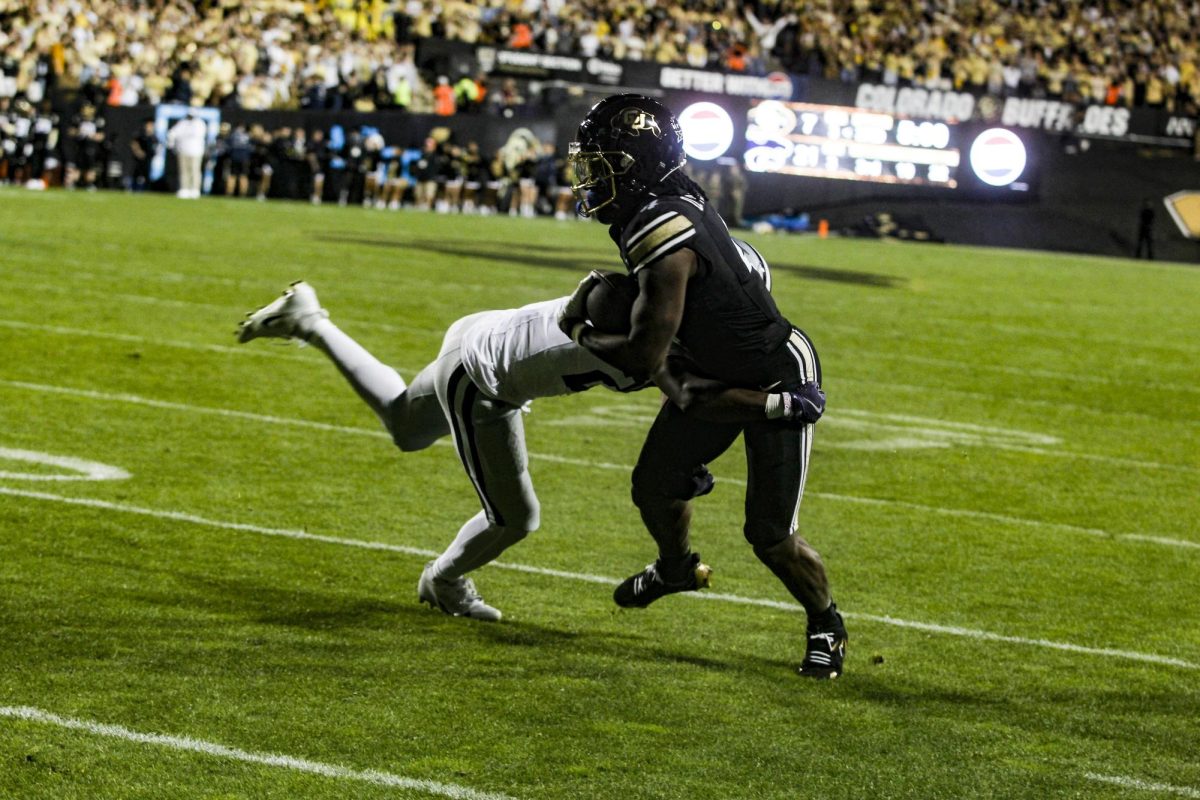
(520, 354)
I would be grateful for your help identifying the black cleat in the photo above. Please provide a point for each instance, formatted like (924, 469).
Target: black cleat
(826, 650)
(642, 589)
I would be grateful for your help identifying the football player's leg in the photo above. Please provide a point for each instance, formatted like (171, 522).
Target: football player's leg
(671, 472)
(375, 382)
(415, 418)
(490, 437)
(777, 465)
(777, 456)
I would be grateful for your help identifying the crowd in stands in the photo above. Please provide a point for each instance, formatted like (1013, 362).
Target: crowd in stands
(361, 54)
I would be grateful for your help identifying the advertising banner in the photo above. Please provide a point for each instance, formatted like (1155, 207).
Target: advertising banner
(1038, 114)
(548, 66)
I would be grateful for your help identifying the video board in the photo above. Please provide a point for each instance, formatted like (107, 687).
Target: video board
(848, 143)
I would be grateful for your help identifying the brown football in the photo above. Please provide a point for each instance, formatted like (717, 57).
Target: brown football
(610, 302)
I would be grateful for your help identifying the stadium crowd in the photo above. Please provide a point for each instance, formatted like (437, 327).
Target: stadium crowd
(360, 53)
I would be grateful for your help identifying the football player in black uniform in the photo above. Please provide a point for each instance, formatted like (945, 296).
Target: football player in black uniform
(89, 136)
(8, 139)
(144, 146)
(261, 168)
(44, 139)
(710, 294)
(19, 141)
(317, 157)
(241, 149)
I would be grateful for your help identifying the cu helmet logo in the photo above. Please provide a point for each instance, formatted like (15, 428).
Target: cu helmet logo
(637, 120)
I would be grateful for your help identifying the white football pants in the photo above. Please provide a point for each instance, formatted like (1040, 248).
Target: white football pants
(488, 433)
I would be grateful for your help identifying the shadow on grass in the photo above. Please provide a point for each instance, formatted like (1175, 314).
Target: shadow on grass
(533, 255)
(339, 613)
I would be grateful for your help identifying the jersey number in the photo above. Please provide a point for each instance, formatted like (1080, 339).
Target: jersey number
(755, 263)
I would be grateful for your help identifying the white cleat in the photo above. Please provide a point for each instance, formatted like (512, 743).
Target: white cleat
(290, 316)
(454, 596)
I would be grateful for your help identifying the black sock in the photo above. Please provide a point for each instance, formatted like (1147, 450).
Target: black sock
(675, 570)
(825, 620)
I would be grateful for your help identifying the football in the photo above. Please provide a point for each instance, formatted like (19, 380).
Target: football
(610, 301)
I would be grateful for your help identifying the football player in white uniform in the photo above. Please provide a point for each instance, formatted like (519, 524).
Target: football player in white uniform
(491, 365)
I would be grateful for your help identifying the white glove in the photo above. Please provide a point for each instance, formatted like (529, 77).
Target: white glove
(574, 313)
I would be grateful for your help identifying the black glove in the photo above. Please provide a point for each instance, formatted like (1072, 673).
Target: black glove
(803, 405)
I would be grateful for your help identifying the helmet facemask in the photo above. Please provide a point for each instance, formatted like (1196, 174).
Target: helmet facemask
(596, 174)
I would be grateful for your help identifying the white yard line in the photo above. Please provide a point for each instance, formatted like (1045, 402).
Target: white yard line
(137, 400)
(1137, 537)
(270, 419)
(224, 310)
(1146, 786)
(186, 743)
(77, 469)
(261, 352)
(1117, 460)
(292, 352)
(180, 516)
(989, 397)
(1026, 372)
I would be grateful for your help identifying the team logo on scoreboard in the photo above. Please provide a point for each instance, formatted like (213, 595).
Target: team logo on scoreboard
(637, 120)
(707, 131)
(998, 157)
(1185, 210)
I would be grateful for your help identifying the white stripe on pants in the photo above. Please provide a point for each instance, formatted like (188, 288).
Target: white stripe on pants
(490, 437)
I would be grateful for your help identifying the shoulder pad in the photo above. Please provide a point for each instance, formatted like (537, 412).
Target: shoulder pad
(659, 228)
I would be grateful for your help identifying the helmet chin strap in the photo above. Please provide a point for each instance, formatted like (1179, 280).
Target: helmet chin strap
(611, 212)
(672, 171)
(668, 174)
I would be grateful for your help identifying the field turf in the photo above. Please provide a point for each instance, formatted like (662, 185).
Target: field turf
(1004, 490)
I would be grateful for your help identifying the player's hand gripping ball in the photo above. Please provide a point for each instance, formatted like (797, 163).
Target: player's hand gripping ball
(610, 302)
(574, 312)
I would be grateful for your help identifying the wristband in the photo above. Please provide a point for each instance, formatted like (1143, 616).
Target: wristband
(777, 405)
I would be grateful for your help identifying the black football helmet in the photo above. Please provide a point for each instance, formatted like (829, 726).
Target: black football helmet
(626, 145)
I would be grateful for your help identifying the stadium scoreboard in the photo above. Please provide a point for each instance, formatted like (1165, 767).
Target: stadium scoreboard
(825, 141)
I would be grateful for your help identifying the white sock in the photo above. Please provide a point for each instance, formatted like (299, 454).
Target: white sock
(478, 542)
(376, 382)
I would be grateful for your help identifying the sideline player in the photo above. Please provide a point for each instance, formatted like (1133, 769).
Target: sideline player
(491, 365)
(711, 294)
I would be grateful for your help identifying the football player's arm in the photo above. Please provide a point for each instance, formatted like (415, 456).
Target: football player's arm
(707, 399)
(654, 320)
(713, 401)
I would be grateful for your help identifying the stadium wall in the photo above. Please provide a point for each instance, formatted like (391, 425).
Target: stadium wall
(1086, 202)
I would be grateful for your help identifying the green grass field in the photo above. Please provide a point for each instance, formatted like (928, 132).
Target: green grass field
(1004, 490)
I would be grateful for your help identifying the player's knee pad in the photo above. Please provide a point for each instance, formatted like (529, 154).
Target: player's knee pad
(412, 441)
(520, 522)
(652, 486)
(764, 534)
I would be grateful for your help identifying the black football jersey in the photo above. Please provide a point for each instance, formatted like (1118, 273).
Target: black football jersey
(731, 328)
